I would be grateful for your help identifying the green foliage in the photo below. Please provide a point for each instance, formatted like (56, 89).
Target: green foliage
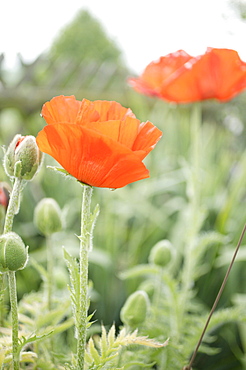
(103, 352)
(85, 39)
(132, 220)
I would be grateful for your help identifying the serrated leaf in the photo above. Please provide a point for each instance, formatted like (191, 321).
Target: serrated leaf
(103, 342)
(111, 336)
(73, 268)
(93, 219)
(126, 339)
(59, 170)
(93, 352)
(24, 341)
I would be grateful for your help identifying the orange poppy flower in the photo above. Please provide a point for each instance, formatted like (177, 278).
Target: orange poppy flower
(218, 74)
(100, 143)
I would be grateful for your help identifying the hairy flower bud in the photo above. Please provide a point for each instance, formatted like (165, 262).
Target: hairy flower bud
(161, 253)
(23, 157)
(13, 253)
(135, 309)
(47, 216)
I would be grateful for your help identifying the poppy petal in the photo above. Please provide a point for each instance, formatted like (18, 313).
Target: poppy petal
(124, 132)
(67, 109)
(147, 138)
(156, 72)
(61, 109)
(90, 157)
(218, 74)
(111, 110)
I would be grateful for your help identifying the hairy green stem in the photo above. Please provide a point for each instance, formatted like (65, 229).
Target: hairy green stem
(50, 266)
(12, 210)
(14, 318)
(2, 298)
(194, 193)
(83, 264)
(13, 206)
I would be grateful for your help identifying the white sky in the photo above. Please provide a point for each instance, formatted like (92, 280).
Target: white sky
(143, 29)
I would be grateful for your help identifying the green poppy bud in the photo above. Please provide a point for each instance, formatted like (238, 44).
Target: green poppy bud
(47, 216)
(13, 252)
(135, 309)
(161, 253)
(23, 157)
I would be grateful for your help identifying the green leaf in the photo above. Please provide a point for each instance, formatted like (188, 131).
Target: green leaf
(41, 270)
(73, 268)
(24, 341)
(139, 271)
(93, 352)
(93, 220)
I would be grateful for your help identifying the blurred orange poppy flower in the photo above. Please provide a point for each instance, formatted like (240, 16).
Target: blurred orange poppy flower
(218, 74)
(100, 143)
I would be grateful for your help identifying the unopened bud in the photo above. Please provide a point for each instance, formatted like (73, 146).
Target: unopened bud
(47, 216)
(13, 252)
(161, 253)
(23, 157)
(4, 194)
(135, 309)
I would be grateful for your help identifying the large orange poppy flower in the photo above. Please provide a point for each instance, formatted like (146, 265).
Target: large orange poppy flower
(218, 74)
(100, 143)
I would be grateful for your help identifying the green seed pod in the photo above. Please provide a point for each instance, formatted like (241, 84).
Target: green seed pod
(135, 309)
(23, 157)
(161, 253)
(13, 253)
(47, 216)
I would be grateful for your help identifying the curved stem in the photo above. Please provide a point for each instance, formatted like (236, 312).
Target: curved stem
(14, 318)
(13, 206)
(216, 300)
(12, 210)
(83, 264)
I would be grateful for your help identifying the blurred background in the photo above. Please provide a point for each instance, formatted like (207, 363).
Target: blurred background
(89, 49)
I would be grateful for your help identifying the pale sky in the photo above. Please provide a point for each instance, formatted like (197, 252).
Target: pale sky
(144, 30)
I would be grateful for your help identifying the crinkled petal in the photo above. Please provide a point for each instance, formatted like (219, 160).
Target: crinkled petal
(125, 132)
(111, 110)
(157, 72)
(91, 157)
(218, 74)
(61, 109)
(146, 140)
(67, 109)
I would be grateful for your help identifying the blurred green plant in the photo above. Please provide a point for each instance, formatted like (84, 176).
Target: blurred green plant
(85, 39)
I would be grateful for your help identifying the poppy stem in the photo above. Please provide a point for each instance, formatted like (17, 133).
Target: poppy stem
(14, 319)
(195, 215)
(83, 265)
(13, 206)
(50, 265)
(12, 210)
